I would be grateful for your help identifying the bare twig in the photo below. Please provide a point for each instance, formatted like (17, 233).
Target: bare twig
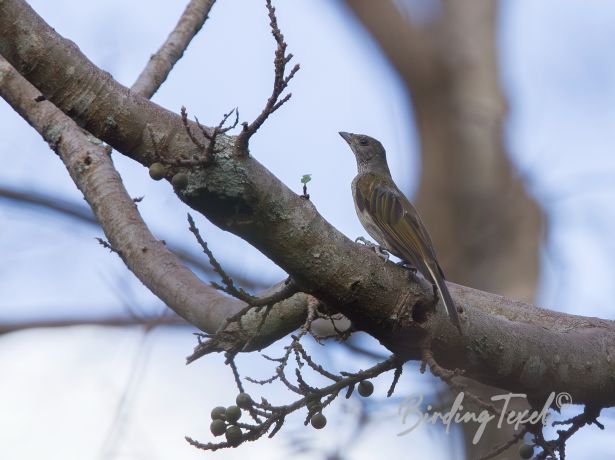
(230, 361)
(229, 286)
(219, 129)
(236, 335)
(313, 398)
(107, 245)
(398, 370)
(102, 187)
(274, 416)
(280, 83)
(211, 134)
(195, 141)
(497, 450)
(587, 417)
(449, 377)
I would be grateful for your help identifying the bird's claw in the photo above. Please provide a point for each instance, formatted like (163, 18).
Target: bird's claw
(379, 250)
(407, 266)
(360, 239)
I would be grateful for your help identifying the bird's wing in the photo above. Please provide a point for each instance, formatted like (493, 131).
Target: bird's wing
(403, 231)
(401, 227)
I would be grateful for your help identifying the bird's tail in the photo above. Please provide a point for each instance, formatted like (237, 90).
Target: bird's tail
(436, 275)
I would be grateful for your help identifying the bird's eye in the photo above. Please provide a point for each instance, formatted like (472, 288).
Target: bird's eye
(363, 141)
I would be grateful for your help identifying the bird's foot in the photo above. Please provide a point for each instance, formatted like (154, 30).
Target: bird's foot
(407, 266)
(436, 298)
(379, 250)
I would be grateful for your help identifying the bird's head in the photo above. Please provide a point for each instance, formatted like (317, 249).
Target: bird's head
(369, 152)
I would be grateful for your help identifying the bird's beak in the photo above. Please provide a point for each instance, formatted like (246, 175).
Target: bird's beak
(346, 136)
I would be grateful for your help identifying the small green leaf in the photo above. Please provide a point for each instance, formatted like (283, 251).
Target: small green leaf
(306, 178)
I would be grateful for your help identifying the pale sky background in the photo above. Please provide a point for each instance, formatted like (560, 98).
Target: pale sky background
(60, 389)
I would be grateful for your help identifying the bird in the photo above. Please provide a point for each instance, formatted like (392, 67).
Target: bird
(389, 217)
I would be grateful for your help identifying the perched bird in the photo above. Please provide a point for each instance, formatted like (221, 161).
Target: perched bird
(390, 218)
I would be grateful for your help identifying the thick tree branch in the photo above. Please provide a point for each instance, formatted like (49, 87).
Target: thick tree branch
(161, 63)
(508, 344)
(256, 333)
(90, 167)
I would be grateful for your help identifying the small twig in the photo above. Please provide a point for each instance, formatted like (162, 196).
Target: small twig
(497, 450)
(315, 399)
(220, 129)
(186, 123)
(274, 416)
(448, 377)
(339, 335)
(277, 426)
(280, 83)
(242, 341)
(107, 245)
(587, 417)
(230, 361)
(262, 381)
(211, 134)
(302, 383)
(229, 288)
(398, 370)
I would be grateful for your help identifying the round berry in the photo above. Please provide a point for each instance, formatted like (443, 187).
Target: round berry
(526, 451)
(365, 388)
(233, 435)
(243, 400)
(217, 413)
(233, 413)
(217, 427)
(180, 181)
(318, 421)
(157, 171)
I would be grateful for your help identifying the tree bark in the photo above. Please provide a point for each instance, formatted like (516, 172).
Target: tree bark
(509, 344)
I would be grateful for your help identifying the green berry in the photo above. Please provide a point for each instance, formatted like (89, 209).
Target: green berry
(180, 181)
(233, 413)
(233, 435)
(365, 388)
(157, 171)
(526, 451)
(318, 421)
(244, 400)
(217, 427)
(217, 413)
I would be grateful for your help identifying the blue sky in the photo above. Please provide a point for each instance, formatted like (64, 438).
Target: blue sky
(558, 71)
